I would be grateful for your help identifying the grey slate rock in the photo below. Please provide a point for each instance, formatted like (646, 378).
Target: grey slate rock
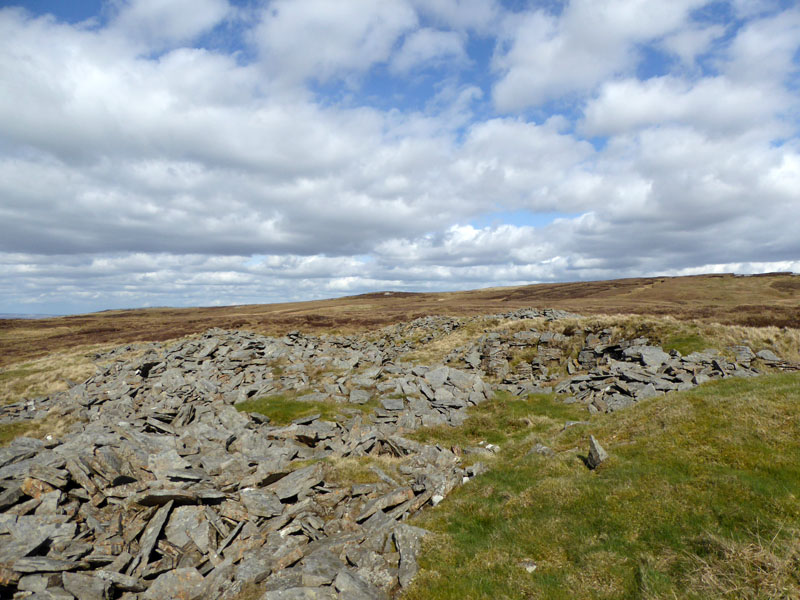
(86, 587)
(297, 482)
(596, 453)
(353, 587)
(178, 584)
(541, 450)
(392, 403)
(768, 356)
(359, 397)
(261, 503)
(408, 540)
(303, 593)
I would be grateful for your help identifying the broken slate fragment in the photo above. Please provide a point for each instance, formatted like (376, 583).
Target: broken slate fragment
(408, 539)
(86, 587)
(261, 503)
(179, 584)
(297, 482)
(768, 356)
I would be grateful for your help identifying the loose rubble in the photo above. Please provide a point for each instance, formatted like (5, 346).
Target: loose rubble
(163, 489)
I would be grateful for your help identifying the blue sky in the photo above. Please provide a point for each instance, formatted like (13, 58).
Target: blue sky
(204, 152)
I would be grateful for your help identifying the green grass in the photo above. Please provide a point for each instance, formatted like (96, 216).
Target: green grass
(282, 409)
(687, 343)
(698, 500)
(14, 381)
(503, 419)
(9, 431)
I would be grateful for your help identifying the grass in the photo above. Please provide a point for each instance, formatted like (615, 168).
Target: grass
(349, 470)
(9, 431)
(50, 425)
(282, 409)
(50, 374)
(505, 419)
(698, 500)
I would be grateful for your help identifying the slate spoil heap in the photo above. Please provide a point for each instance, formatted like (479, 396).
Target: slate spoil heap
(163, 489)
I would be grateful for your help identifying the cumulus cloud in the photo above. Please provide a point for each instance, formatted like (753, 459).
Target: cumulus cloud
(154, 23)
(304, 157)
(317, 39)
(547, 56)
(428, 47)
(713, 104)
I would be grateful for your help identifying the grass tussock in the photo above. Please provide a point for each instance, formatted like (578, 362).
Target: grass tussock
(698, 500)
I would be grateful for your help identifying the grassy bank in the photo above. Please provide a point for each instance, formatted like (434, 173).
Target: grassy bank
(698, 500)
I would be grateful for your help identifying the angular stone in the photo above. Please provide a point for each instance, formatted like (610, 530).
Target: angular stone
(162, 497)
(392, 403)
(150, 536)
(302, 593)
(353, 587)
(408, 540)
(650, 356)
(461, 380)
(768, 356)
(320, 568)
(43, 564)
(359, 397)
(126, 583)
(86, 587)
(298, 482)
(178, 584)
(38, 582)
(437, 377)
(10, 496)
(596, 453)
(389, 500)
(261, 503)
(189, 523)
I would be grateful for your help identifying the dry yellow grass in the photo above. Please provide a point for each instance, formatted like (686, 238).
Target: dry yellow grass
(347, 471)
(760, 568)
(51, 374)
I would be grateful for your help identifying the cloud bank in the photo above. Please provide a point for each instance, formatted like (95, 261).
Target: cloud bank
(209, 152)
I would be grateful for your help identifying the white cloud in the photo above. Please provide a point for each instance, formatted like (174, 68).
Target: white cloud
(318, 39)
(428, 47)
(155, 22)
(550, 56)
(480, 15)
(713, 104)
(764, 50)
(689, 43)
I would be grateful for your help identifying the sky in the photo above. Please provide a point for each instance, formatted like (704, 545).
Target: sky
(214, 152)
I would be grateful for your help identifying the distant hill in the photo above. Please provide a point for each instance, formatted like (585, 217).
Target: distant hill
(26, 316)
(769, 299)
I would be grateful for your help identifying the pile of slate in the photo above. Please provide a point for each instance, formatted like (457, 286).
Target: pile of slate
(608, 376)
(164, 489)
